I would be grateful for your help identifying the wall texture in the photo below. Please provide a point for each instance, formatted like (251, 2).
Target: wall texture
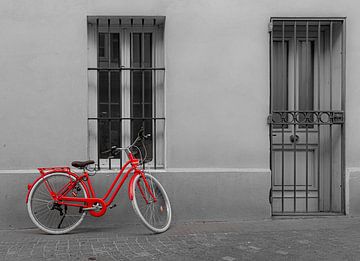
(235, 195)
(217, 82)
(217, 90)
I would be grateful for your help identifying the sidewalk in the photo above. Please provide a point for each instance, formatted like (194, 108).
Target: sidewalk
(322, 238)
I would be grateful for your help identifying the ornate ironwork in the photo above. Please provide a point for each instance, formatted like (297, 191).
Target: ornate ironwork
(306, 117)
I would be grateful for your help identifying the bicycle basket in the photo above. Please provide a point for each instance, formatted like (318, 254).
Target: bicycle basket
(141, 149)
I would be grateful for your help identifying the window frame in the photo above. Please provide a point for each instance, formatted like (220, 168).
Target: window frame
(158, 86)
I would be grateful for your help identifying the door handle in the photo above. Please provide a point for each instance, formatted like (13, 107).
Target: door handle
(270, 196)
(294, 138)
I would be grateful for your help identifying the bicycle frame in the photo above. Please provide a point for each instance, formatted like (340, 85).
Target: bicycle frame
(84, 179)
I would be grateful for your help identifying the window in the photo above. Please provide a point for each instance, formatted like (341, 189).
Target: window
(126, 86)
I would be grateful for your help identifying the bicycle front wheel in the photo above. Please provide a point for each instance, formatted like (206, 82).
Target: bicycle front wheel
(155, 215)
(50, 216)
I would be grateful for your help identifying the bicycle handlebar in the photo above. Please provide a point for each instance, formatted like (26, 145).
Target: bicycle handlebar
(141, 136)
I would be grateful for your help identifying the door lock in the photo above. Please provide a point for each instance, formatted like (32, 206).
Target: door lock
(294, 138)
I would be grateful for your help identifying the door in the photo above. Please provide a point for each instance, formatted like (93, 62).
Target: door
(306, 117)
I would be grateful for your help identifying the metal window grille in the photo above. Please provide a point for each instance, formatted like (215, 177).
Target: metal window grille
(135, 70)
(307, 115)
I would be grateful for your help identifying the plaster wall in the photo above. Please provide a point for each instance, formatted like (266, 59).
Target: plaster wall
(217, 90)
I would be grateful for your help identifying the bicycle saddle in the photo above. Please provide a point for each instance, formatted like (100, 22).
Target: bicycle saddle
(81, 164)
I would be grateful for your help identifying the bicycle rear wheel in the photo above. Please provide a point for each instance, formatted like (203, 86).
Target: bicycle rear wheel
(50, 216)
(155, 215)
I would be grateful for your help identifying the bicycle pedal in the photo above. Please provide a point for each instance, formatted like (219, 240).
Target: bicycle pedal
(112, 206)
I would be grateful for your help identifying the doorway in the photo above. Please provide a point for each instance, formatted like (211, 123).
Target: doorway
(306, 121)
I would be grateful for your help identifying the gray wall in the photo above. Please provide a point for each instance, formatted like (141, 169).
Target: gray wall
(195, 196)
(217, 91)
(217, 81)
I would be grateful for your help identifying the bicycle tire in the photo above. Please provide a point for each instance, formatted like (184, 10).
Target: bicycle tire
(48, 216)
(156, 216)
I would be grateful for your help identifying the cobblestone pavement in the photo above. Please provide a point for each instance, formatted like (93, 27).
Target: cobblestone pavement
(330, 238)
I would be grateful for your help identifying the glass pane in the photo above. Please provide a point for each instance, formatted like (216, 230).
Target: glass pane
(148, 110)
(136, 80)
(147, 50)
(137, 110)
(280, 75)
(115, 133)
(141, 84)
(104, 138)
(103, 110)
(148, 86)
(115, 87)
(109, 131)
(306, 80)
(115, 110)
(102, 44)
(103, 86)
(135, 127)
(136, 50)
(306, 75)
(115, 49)
(148, 125)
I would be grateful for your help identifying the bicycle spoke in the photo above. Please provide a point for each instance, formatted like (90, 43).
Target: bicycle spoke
(41, 200)
(41, 213)
(45, 194)
(52, 217)
(48, 218)
(55, 217)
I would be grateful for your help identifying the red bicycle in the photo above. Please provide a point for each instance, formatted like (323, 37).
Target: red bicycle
(59, 199)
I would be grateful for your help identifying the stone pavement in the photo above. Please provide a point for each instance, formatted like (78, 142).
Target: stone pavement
(321, 238)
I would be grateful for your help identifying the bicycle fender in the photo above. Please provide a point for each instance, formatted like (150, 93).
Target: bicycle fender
(29, 187)
(43, 174)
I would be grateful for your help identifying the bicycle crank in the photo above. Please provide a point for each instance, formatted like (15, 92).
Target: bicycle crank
(96, 207)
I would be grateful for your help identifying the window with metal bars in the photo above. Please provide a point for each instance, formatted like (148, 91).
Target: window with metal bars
(126, 85)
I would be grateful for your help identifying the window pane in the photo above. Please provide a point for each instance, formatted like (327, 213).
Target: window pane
(115, 87)
(147, 50)
(141, 84)
(148, 110)
(306, 75)
(136, 80)
(137, 110)
(103, 110)
(115, 110)
(148, 86)
(280, 75)
(102, 44)
(103, 87)
(104, 138)
(136, 49)
(115, 133)
(306, 79)
(115, 49)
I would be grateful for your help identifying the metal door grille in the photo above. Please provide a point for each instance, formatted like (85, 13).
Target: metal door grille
(307, 115)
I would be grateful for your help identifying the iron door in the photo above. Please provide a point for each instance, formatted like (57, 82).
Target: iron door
(306, 118)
